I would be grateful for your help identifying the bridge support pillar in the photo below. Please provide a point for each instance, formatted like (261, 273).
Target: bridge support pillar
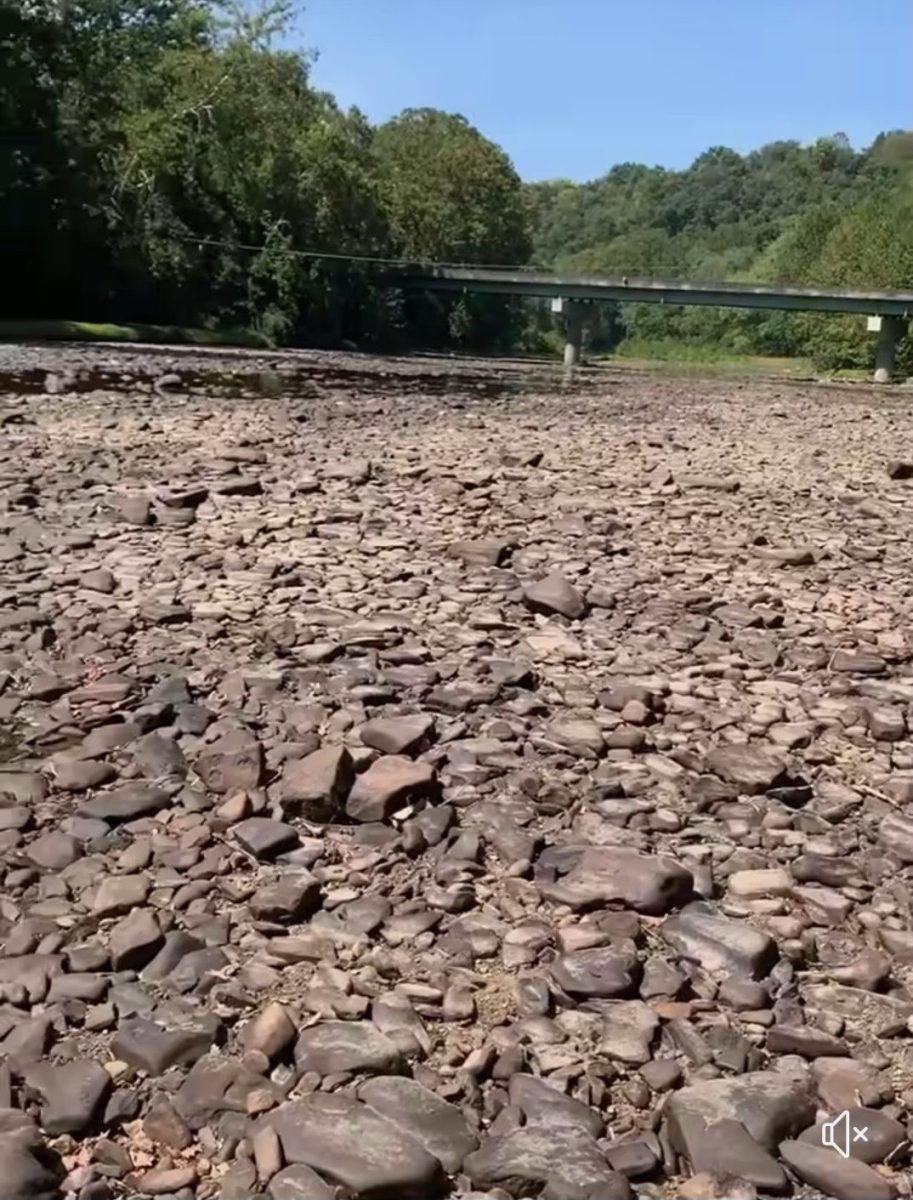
(572, 311)
(889, 330)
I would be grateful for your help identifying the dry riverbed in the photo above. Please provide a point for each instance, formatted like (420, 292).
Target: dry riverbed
(422, 778)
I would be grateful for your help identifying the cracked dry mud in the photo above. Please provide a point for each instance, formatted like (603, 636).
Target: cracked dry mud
(426, 779)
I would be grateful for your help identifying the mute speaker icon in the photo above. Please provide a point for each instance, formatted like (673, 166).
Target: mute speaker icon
(836, 1134)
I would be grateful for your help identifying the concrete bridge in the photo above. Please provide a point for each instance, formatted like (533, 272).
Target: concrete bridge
(888, 312)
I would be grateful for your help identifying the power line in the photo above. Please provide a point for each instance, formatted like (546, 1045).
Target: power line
(361, 258)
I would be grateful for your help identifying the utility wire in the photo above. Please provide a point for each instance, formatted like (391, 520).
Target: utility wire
(361, 258)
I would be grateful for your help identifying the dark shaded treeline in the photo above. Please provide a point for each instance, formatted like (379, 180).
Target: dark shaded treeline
(164, 161)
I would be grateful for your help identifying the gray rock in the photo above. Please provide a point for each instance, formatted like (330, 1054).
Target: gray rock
(555, 594)
(265, 838)
(234, 763)
(752, 767)
(542, 1104)
(882, 1135)
(828, 1171)
(398, 735)
(135, 940)
(23, 1176)
(352, 1146)
(316, 787)
(702, 935)
(725, 1147)
(770, 1105)
(54, 851)
(299, 1183)
(555, 1157)
(334, 1046)
(601, 971)
(117, 894)
(613, 874)
(291, 898)
(72, 1094)
(154, 1048)
(78, 775)
(628, 1031)
(126, 803)
(388, 784)
(439, 1127)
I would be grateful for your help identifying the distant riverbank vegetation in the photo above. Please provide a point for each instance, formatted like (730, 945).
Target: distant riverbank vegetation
(170, 163)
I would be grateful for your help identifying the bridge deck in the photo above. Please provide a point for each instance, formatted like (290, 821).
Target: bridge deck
(512, 282)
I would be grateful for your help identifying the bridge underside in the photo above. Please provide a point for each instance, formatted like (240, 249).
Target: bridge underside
(892, 310)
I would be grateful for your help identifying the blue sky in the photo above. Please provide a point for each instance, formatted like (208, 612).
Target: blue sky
(569, 87)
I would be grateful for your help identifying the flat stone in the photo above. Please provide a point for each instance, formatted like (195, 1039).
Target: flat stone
(398, 735)
(289, 899)
(896, 835)
(135, 940)
(882, 1134)
(865, 1014)
(72, 1094)
(628, 1030)
(126, 803)
(806, 1041)
(612, 874)
(154, 1048)
(555, 594)
(752, 885)
(725, 1147)
(542, 1104)
(315, 787)
(78, 775)
(24, 1177)
(25, 787)
(352, 1146)
(770, 1105)
(54, 851)
(439, 1127)
(852, 663)
(234, 763)
(544, 1156)
(334, 1046)
(271, 1032)
(117, 894)
(753, 768)
(265, 838)
(480, 552)
(834, 1175)
(704, 936)
(388, 784)
(299, 1183)
(602, 971)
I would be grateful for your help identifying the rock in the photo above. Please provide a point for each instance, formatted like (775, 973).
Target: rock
(752, 885)
(610, 874)
(770, 1105)
(72, 1094)
(699, 933)
(135, 940)
(271, 1032)
(316, 787)
(389, 784)
(602, 971)
(555, 594)
(154, 1048)
(350, 1145)
(874, 1137)
(292, 898)
(126, 803)
(753, 768)
(865, 1014)
(900, 469)
(725, 1147)
(842, 1178)
(806, 1041)
(542, 1104)
(24, 1176)
(554, 1157)
(265, 838)
(482, 552)
(54, 851)
(233, 763)
(398, 735)
(438, 1127)
(79, 775)
(858, 663)
(335, 1046)
(117, 894)
(628, 1030)
(299, 1183)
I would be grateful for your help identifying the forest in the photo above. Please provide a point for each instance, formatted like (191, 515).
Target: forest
(172, 162)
